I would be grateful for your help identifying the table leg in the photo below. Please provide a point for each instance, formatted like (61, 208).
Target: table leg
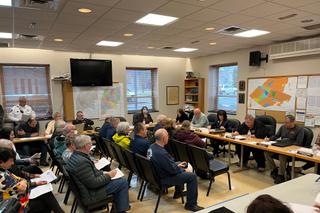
(241, 162)
(292, 168)
(316, 168)
(229, 153)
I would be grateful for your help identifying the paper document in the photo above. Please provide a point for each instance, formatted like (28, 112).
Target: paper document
(300, 115)
(301, 102)
(102, 163)
(118, 175)
(40, 190)
(299, 208)
(302, 81)
(36, 156)
(204, 139)
(92, 147)
(240, 137)
(48, 176)
(269, 143)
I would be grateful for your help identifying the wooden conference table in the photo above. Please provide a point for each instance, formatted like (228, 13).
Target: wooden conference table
(301, 190)
(290, 151)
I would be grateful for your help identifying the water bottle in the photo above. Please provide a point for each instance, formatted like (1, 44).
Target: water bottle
(249, 134)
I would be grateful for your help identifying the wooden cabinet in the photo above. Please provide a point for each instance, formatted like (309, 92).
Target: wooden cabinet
(194, 92)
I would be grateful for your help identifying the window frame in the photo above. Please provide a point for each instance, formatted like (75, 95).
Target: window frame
(47, 70)
(217, 66)
(154, 84)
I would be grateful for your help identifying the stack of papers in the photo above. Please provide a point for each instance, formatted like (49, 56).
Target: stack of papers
(40, 190)
(48, 176)
(118, 175)
(305, 151)
(240, 137)
(102, 163)
(269, 143)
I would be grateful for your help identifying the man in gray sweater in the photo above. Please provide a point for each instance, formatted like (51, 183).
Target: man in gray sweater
(199, 119)
(289, 133)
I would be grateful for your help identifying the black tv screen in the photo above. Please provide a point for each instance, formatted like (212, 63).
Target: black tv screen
(91, 72)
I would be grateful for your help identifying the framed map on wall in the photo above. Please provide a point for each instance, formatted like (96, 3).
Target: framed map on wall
(274, 93)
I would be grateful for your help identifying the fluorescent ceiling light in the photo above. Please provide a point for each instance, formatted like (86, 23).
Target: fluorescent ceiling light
(109, 43)
(155, 19)
(7, 3)
(185, 50)
(6, 35)
(251, 33)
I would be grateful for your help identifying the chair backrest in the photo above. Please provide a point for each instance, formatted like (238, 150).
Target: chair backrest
(308, 137)
(74, 188)
(132, 162)
(52, 155)
(119, 154)
(101, 146)
(200, 158)
(148, 170)
(108, 145)
(234, 123)
(269, 121)
(181, 150)
(212, 118)
(135, 117)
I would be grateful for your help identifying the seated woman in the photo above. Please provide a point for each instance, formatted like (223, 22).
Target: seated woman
(142, 117)
(223, 123)
(181, 116)
(50, 126)
(184, 135)
(121, 137)
(12, 186)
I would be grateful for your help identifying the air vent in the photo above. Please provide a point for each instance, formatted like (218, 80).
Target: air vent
(231, 30)
(288, 16)
(312, 27)
(39, 4)
(167, 48)
(4, 45)
(30, 37)
(194, 42)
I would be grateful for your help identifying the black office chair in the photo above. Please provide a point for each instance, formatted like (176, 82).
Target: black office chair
(118, 154)
(211, 167)
(181, 150)
(108, 145)
(101, 146)
(54, 162)
(308, 137)
(212, 118)
(270, 122)
(151, 177)
(98, 204)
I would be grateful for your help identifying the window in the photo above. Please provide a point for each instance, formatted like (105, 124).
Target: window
(223, 88)
(31, 81)
(142, 89)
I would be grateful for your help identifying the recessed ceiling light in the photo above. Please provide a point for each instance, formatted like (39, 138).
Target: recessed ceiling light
(251, 33)
(84, 10)
(213, 43)
(7, 3)
(185, 50)
(109, 43)
(155, 19)
(58, 39)
(209, 28)
(150, 47)
(6, 35)
(128, 34)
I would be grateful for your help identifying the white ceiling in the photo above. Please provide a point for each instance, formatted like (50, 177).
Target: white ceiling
(110, 19)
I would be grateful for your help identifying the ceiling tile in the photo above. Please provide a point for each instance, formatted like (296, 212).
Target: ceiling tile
(72, 8)
(99, 2)
(198, 3)
(234, 19)
(263, 10)
(186, 24)
(313, 8)
(74, 19)
(235, 6)
(5, 12)
(295, 3)
(176, 9)
(207, 15)
(34, 15)
(141, 5)
(68, 28)
(123, 15)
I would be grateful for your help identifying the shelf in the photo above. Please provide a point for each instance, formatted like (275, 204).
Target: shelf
(192, 94)
(191, 102)
(188, 87)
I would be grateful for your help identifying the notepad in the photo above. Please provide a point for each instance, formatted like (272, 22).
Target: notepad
(40, 190)
(48, 176)
(102, 163)
(118, 175)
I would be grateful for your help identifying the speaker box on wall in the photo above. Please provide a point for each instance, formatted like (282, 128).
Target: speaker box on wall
(255, 58)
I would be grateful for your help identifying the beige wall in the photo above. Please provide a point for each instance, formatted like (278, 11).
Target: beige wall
(171, 71)
(292, 66)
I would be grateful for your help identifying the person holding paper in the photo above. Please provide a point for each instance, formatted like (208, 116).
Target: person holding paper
(12, 186)
(289, 133)
(94, 184)
(256, 129)
(172, 173)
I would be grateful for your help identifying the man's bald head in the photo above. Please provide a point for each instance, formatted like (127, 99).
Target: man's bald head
(197, 112)
(161, 136)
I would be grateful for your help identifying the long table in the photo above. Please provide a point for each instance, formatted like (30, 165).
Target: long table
(302, 190)
(290, 151)
(31, 139)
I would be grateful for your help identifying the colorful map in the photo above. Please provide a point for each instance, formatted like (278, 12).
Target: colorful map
(272, 94)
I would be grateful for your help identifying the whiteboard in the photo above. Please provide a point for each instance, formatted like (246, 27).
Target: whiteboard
(99, 102)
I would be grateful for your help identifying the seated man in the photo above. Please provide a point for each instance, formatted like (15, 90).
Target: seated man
(121, 137)
(199, 119)
(161, 122)
(31, 129)
(95, 185)
(109, 127)
(80, 119)
(67, 130)
(257, 130)
(21, 112)
(140, 144)
(184, 135)
(289, 133)
(171, 173)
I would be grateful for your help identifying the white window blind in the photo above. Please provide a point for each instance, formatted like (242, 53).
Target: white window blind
(222, 88)
(30, 81)
(142, 88)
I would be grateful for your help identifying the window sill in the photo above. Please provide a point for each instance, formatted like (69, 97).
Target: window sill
(134, 112)
(228, 113)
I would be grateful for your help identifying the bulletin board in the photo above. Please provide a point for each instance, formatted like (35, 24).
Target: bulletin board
(280, 95)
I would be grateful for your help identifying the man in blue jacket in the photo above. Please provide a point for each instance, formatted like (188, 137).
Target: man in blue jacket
(109, 127)
(171, 173)
(140, 144)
